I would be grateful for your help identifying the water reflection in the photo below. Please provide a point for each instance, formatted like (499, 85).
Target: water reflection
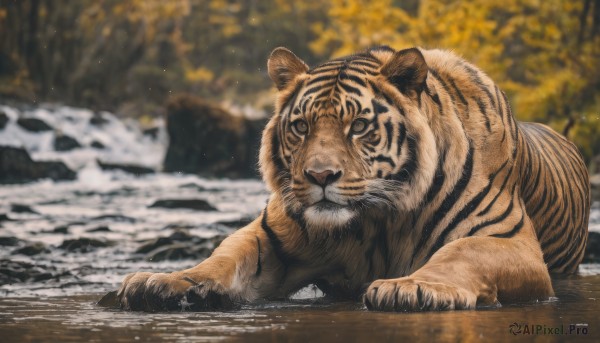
(78, 318)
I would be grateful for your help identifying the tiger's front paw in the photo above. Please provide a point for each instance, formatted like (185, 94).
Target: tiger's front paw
(407, 294)
(175, 291)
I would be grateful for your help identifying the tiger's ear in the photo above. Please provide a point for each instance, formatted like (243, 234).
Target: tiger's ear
(284, 66)
(407, 70)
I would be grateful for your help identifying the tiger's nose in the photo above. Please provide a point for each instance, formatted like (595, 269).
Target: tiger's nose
(322, 178)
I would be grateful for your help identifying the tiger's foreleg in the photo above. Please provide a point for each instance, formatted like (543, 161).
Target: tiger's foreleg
(466, 273)
(241, 269)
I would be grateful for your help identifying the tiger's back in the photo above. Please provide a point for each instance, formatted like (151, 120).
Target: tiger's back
(555, 186)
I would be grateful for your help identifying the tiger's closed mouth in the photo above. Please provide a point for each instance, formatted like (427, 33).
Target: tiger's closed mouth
(327, 205)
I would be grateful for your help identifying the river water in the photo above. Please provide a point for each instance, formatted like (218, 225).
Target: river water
(63, 306)
(64, 245)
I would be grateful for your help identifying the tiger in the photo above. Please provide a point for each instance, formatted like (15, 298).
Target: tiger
(399, 178)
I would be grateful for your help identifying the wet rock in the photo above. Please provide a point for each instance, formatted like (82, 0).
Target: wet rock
(207, 140)
(98, 120)
(191, 204)
(97, 145)
(199, 188)
(178, 251)
(16, 166)
(183, 236)
(592, 250)
(83, 244)
(100, 229)
(62, 229)
(3, 120)
(129, 168)
(179, 226)
(152, 132)
(33, 124)
(9, 241)
(114, 217)
(193, 186)
(65, 143)
(177, 236)
(170, 252)
(20, 208)
(32, 249)
(18, 271)
(154, 244)
(236, 224)
(179, 245)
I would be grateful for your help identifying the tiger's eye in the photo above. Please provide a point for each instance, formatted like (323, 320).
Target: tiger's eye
(359, 126)
(300, 126)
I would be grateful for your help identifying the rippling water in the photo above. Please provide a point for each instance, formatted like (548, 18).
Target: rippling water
(118, 204)
(76, 318)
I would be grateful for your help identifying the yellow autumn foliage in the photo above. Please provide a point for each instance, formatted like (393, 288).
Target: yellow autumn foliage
(532, 48)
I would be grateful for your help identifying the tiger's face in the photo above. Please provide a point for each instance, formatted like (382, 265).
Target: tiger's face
(346, 137)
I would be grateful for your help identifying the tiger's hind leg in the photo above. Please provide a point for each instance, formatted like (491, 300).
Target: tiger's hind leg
(469, 272)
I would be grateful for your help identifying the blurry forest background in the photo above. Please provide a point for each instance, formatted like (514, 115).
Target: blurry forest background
(129, 57)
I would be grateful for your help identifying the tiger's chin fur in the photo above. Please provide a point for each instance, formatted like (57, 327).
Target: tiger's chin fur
(328, 216)
(402, 170)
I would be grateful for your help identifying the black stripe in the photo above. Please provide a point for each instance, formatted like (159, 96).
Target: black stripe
(318, 88)
(324, 69)
(350, 89)
(465, 212)
(532, 159)
(351, 108)
(258, 262)
(400, 138)
(477, 80)
(483, 111)
(384, 159)
(369, 149)
(458, 92)
(354, 78)
(362, 70)
(329, 77)
(532, 186)
(500, 109)
(576, 256)
(304, 104)
(378, 107)
(448, 202)
(438, 179)
(366, 64)
(379, 93)
(389, 132)
(514, 230)
(541, 203)
(497, 219)
(442, 82)
(500, 112)
(359, 108)
(489, 206)
(285, 259)
(408, 169)
(435, 99)
(276, 154)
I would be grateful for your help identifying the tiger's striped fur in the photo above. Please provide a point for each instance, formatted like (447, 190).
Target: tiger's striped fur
(402, 169)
